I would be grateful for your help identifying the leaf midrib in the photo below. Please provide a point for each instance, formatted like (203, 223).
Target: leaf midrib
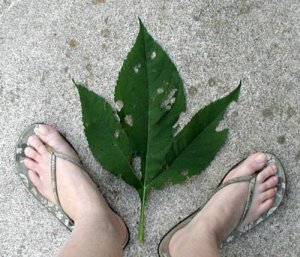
(119, 149)
(183, 150)
(148, 115)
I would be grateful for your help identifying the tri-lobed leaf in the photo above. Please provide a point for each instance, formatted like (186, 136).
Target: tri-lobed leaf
(149, 96)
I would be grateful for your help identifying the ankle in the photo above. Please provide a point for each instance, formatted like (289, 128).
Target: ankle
(192, 236)
(92, 214)
(105, 221)
(207, 229)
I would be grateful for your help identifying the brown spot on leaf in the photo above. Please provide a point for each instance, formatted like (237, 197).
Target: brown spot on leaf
(98, 2)
(268, 112)
(192, 90)
(73, 43)
(281, 139)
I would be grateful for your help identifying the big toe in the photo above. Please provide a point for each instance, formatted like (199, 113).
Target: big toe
(255, 162)
(53, 138)
(48, 134)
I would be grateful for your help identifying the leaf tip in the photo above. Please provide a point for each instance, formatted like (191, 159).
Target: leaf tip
(76, 85)
(140, 21)
(142, 26)
(239, 86)
(236, 92)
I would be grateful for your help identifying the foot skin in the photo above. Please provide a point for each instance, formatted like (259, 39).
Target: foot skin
(79, 196)
(221, 214)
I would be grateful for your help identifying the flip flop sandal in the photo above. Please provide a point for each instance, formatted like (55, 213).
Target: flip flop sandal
(163, 248)
(22, 171)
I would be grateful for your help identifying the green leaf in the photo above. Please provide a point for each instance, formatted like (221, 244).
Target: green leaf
(151, 92)
(196, 145)
(208, 116)
(107, 139)
(193, 159)
(149, 98)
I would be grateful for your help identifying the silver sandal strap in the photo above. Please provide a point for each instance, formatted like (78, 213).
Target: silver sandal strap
(249, 199)
(252, 180)
(54, 156)
(234, 180)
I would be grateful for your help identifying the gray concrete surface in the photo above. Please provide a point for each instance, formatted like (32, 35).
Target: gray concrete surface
(214, 45)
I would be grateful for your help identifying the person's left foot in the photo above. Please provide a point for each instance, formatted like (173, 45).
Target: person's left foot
(221, 214)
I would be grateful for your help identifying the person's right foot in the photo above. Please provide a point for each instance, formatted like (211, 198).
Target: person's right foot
(78, 195)
(221, 214)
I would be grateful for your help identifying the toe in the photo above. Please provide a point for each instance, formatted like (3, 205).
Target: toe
(268, 194)
(37, 144)
(49, 135)
(53, 138)
(266, 173)
(31, 153)
(254, 163)
(269, 183)
(34, 178)
(266, 205)
(30, 164)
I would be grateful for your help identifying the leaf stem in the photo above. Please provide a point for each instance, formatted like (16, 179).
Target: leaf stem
(143, 197)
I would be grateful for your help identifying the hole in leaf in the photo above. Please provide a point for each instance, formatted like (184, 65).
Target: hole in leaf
(117, 133)
(128, 120)
(137, 67)
(160, 90)
(117, 116)
(184, 173)
(137, 165)
(153, 55)
(170, 100)
(119, 105)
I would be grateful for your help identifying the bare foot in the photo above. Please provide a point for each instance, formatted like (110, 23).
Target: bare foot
(221, 214)
(79, 196)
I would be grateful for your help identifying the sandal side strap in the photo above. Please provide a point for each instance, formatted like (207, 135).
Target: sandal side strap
(54, 156)
(249, 199)
(54, 181)
(252, 180)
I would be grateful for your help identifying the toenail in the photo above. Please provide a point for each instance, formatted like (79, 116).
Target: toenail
(30, 139)
(261, 158)
(41, 130)
(273, 166)
(27, 150)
